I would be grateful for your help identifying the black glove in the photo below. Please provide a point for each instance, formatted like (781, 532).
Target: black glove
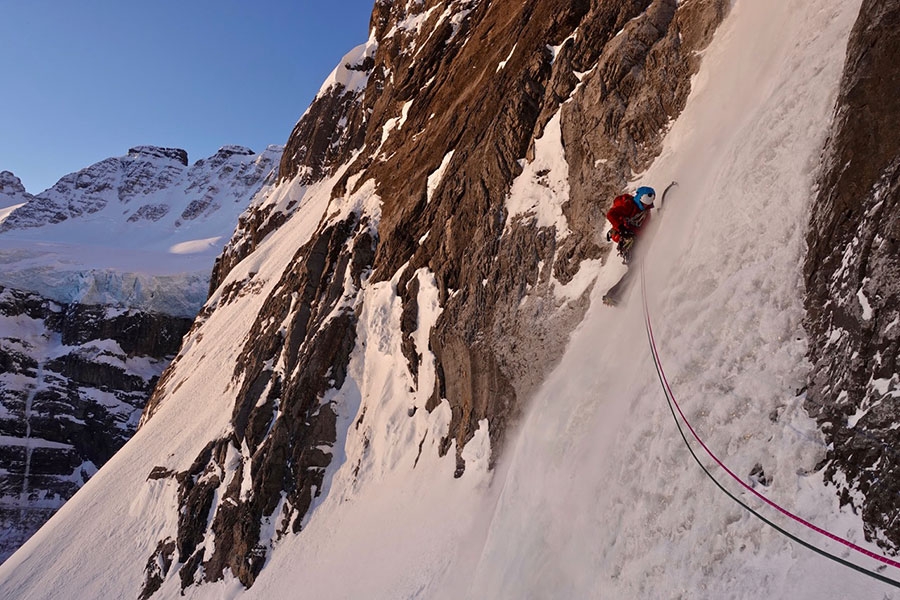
(636, 221)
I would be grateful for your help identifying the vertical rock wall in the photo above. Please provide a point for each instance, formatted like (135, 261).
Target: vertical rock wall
(853, 278)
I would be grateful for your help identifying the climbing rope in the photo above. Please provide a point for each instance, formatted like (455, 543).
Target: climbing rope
(673, 405)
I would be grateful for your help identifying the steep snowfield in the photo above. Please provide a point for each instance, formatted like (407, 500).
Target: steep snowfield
(601, 498)
(128, 517)
(596, 496)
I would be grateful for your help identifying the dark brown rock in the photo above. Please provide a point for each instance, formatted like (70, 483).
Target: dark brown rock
(176, 154)
(157, 567)
(853, 254)
(253, 227)
(287, 459)
(409, 323)
(492, 353)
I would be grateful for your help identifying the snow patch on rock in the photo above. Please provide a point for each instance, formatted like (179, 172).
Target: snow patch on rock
(542, 188)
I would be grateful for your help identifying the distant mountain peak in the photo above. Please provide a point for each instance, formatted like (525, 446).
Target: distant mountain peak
(10, 184)
(142, 209)
(231, 150)
(158, 152)
(12, 194)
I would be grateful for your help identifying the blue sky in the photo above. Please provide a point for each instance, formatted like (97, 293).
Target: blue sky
(86, 80)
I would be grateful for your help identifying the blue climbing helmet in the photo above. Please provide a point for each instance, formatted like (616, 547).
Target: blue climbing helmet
(644, 197)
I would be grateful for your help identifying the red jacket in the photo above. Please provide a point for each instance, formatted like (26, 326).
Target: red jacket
(624, 207)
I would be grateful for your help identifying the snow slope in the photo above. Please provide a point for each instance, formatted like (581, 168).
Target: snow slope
(725, 291)
(597, 496)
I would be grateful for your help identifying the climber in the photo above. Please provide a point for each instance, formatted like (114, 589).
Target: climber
(627, 216)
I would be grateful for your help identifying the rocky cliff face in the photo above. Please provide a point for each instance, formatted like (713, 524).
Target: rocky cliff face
(73, 381)
(441, 115)
(853, 278)
(12, 192)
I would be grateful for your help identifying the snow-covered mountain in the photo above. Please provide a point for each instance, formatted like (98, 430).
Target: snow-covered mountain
(404, 384)
(139, 231)
(102, 276)
(12, 194)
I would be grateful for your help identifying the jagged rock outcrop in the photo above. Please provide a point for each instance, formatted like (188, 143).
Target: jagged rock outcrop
(326, 135)
(176, 154)
(853, 278)
(73, 382)
(446, 109)
(12, 192)
(488, 341)
(279, 375)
